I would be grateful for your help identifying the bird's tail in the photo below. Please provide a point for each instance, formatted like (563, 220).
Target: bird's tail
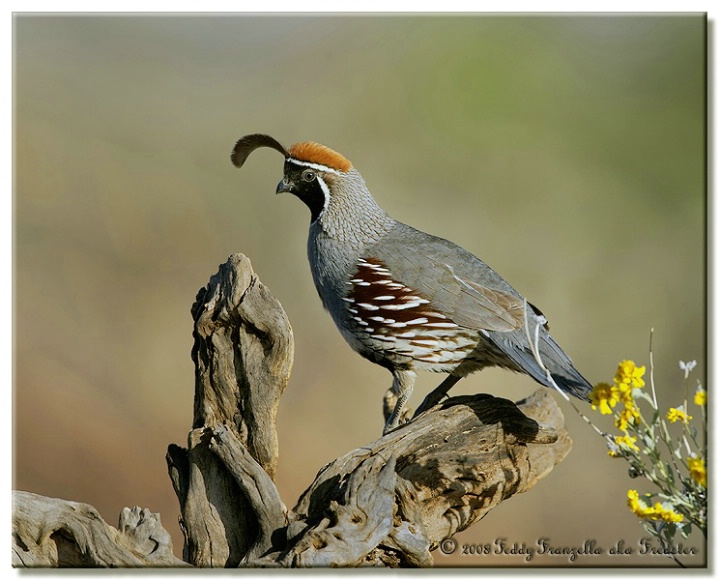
(562, 370)
(572, 383)
(556, 361)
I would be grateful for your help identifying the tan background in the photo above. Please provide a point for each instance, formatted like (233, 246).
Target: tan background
(567, 152)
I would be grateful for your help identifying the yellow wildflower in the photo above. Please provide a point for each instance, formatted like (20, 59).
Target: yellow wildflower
(603, 396)
(676, 414)
(629, 441)
(697, 467)
(630, 375)
(630, 415)
(656, 512)
(700, 398)
(672, 517)
(634, 503)
(625, 441)
(625, 393)
(637, 505)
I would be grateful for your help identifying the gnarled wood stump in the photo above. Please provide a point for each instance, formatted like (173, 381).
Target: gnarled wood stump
(389, 503)
(56, 533)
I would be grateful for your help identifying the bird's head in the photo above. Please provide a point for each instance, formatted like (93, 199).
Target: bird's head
(312, 172)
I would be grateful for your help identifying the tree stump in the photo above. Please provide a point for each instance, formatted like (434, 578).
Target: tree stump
(389, 503)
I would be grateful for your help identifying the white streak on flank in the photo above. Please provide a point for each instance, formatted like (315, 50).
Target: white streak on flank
(442, 325)
(348, 300)
(416, 299)
(404, 306)
(369, 307)
(377, 319)
(427, 343)
(384, 282)
(356, 280)
(363, 283)
(398, 325)
(406, 334)
(378, 269)
(384, 298)
(316, 166)
(417, 321)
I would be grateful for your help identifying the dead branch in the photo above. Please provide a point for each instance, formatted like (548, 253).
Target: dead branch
(55, 533)
(389, 503)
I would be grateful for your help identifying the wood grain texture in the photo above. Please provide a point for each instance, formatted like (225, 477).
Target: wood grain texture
(388, 503)
(49, 532)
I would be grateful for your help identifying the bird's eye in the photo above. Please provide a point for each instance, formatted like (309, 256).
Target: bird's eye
(309, 176)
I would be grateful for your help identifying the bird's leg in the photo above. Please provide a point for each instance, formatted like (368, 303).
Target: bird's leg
(435, 396)
(396, 397)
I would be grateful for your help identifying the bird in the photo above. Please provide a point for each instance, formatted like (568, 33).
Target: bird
(404, 299)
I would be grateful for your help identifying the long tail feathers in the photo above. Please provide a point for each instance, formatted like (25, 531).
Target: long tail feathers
(562, 370)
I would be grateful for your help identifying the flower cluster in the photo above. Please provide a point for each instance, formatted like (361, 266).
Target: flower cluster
(676, 414)
(697, 468)
(605, 397)
(672, 461)
(656, 512)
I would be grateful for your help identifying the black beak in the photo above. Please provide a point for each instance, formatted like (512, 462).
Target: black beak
(285, 186)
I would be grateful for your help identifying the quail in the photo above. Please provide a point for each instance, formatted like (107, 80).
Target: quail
(405, 299)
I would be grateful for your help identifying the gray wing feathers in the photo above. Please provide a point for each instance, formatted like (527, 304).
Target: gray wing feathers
(455, 281)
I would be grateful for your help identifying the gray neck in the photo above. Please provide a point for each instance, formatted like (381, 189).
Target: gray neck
(350, 223)
(352, 216)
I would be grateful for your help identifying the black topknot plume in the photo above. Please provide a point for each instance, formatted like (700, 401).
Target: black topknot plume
(249, 143)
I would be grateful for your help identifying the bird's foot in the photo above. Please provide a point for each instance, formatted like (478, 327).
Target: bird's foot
(396, 412)
(391, 426)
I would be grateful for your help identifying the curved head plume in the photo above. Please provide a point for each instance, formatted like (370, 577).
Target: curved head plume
(308, 153)
(249, 143)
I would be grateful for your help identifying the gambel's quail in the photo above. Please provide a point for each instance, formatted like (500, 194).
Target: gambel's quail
(405, 299)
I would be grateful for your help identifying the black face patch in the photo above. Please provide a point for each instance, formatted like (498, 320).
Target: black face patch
(305, 183)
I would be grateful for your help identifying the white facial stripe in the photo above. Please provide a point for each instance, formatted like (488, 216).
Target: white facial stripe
(313, 166)
(325, 190)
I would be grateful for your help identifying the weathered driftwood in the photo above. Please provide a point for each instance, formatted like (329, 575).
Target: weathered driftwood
(243, 353)
(56, 533)
(389, 503)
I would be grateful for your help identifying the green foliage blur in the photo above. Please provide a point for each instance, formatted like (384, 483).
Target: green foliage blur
(568, 152)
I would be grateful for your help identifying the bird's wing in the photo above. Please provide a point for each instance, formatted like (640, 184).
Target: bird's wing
(456, 283)
(478, 306)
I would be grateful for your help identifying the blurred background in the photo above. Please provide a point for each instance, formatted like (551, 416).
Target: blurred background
(568, 152)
